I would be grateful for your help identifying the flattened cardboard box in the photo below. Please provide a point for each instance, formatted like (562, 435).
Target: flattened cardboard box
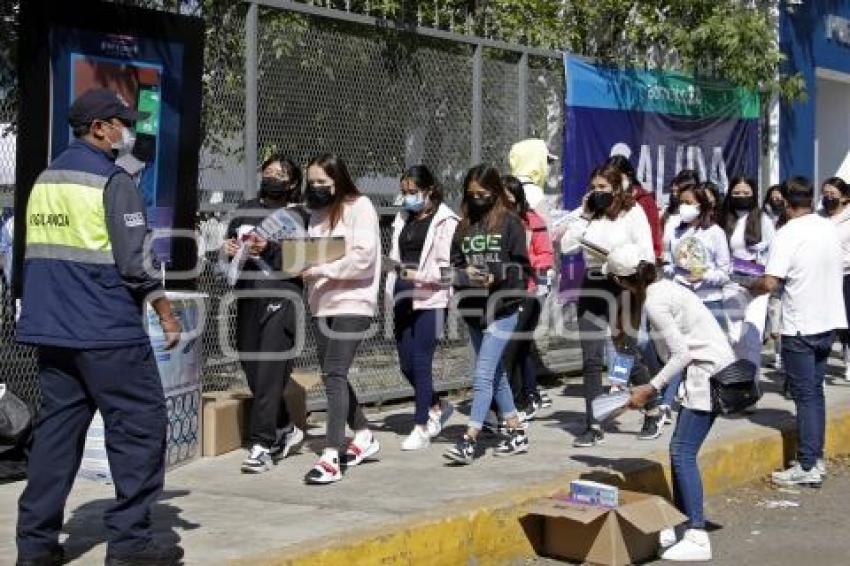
(623, 535)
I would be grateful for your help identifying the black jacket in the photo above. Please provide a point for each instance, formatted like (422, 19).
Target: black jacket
(252, 213)
(503, 253)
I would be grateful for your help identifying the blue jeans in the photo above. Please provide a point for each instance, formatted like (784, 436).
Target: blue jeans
(804, 361)
(670, 390)
(490, 380)
(692, 428)
(416, 333)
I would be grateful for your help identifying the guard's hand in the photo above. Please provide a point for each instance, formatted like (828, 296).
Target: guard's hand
(641, 395)
(231, 246)
(171, 328)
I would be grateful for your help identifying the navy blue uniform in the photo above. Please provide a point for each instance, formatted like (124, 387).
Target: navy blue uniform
(84, 286)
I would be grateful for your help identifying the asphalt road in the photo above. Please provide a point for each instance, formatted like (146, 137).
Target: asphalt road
(759, 525)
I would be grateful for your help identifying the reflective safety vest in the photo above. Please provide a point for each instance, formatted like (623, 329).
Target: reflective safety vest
(73, 294)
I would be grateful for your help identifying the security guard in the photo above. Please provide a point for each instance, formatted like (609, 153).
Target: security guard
(84, 287)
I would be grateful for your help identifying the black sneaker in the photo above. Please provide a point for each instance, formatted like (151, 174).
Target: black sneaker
(53, 558)
(464, 452)
(590, 437)
(651, 427)
(533, 404)
(545, 400)
(151, 555)
(515, 443)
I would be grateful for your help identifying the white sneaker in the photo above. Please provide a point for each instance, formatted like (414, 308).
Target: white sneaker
(777, 362)
(796, 475)
(287, 440)
(820, 465)
(258, 461)
(416, 440)
(360, 450)
(667, 538)
(438, 419)
(694, 547)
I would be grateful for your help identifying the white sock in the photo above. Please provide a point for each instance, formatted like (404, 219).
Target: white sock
(330, 454)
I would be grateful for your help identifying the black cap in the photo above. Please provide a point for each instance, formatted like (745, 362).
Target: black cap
(101, 104)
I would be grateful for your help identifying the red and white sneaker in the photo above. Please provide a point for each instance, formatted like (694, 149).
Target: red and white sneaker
(327, 470)
(360, 450)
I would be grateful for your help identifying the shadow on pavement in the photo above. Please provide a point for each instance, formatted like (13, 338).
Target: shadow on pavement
(86, 530)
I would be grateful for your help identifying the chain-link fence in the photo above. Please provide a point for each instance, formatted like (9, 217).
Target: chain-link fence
(381, 98)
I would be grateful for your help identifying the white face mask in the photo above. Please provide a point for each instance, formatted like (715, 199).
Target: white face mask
(688, 212)
(125, 145)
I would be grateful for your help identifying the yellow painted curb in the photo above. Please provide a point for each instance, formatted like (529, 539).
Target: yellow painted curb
(495, 529)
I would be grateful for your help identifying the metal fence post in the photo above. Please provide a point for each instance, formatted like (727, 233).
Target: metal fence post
(249, 189)
(522, 97)
(477, 64)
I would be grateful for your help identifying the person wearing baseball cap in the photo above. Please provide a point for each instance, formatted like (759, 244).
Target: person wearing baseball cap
(689, 339)
(84, 285)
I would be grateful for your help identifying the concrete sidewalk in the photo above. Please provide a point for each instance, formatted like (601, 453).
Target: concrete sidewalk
(382, 510)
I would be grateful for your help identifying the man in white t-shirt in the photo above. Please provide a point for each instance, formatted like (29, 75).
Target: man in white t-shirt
(805, 266)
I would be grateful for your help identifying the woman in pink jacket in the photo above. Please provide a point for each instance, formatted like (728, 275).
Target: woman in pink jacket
(343, 299)
(421, 246)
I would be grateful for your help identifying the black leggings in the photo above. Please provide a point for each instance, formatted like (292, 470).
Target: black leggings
(266, 327)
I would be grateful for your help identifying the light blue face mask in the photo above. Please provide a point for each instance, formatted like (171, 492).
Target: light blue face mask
(413, 203)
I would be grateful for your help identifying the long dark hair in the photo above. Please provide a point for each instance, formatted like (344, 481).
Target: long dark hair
(344, 188)
(625, 167)
(629, 320)
(765, 205)
(514, 186)
(424, 180)
(623, 201)
(487, 177)
(710, 187)
(291, 169)
(729, 218)
(839, 184)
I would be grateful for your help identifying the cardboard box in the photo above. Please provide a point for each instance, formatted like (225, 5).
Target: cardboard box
(601, 535)
(224, 423)
(295, 395)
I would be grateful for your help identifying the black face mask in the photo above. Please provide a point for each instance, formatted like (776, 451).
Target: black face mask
(479, 206)
(742, 204)
(318, 197)
(274, 188)
(599, 201)
(830, 203)
(777, 208)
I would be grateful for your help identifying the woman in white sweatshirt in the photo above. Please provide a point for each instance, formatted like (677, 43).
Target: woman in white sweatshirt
(690, 341)
(609, 219)
(697, 256)
(836, 197)
(343, 296)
